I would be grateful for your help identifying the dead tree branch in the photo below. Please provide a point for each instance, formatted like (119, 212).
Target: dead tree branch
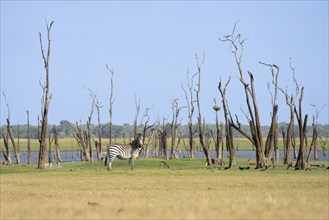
(111, 102)
(45, 100)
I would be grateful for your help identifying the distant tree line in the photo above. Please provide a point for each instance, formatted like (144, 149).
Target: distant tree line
(126, 130)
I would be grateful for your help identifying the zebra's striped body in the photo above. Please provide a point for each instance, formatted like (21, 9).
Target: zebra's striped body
(129, 151)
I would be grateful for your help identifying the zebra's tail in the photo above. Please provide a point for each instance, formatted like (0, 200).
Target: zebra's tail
(107, 155)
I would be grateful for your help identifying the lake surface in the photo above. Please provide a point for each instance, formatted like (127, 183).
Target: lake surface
(69, 156)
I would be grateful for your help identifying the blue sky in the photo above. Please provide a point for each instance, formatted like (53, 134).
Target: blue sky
(150, 45)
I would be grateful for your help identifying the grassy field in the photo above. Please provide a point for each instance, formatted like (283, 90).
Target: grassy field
(187, 190)
(71, 144)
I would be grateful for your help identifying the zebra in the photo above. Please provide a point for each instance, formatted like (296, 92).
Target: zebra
(124, 151)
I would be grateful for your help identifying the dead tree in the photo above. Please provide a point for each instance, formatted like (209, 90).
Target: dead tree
(50, 158)
(10, 134)
(87, 133)
(162, 136)
(228, 125)
(38, 128)
(174, 124)
(18, 137)
(202, 134)
(184, 144)
(111, 103)
(79, 137)
(58, 155)
(155, 144)
(46, 98)
(315, 134)
(272, 137)
(313, 142)
(6, 154)
(190, 108)
(250, 96)
(28, 139)
(290, 101)
(137, 106)
(301, 163)
(219, 137)
(148, 144)
(146, 127)
(323, 143)
(98, 105)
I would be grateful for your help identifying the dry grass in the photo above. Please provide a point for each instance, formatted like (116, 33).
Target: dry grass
(87, 191)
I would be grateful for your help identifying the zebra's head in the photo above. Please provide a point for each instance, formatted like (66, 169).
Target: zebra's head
(139, 140)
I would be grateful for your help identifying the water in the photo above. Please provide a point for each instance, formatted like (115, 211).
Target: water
(70, 156)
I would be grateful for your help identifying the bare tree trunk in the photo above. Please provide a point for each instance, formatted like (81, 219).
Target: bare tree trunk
(50, 159)
(222, 144)
(290, 133)
(254, 121)
(137, 105)
(165, 145)
(273, 134)
(99, 144)
(145, 128)
(275, 139)
(284, 145)
(272, 138)
(290, 101)
(111, 102)
(293, 143)
(147, 148)
(98, 105)
(28, 139)
(301, 163)
(88, 140)
(9, 135)
(229, 138)
(58, 155)
(315, 130)
(155, 145)
(162, 135)
(80, 138)
(228, 125)
(269, 142)
(204, 146)
(314, 139)
(18, 137)
(191, 141)
(258, 130)
(45, 102)
(190, 107)
(174, 125)
(87, 135)
(15, 148)
(218, 139)
(6, 154)
(323, 143)
(38, 128)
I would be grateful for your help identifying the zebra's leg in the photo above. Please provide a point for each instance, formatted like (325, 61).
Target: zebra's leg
(109, 163)
(105, 161)
(107, 156)
(109, 166)
(129, 163)
(132, 163)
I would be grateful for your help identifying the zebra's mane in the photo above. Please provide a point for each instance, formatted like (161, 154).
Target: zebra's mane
(135, 144)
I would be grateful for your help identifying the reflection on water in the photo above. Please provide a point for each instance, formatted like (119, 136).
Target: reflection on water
(69, 156)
